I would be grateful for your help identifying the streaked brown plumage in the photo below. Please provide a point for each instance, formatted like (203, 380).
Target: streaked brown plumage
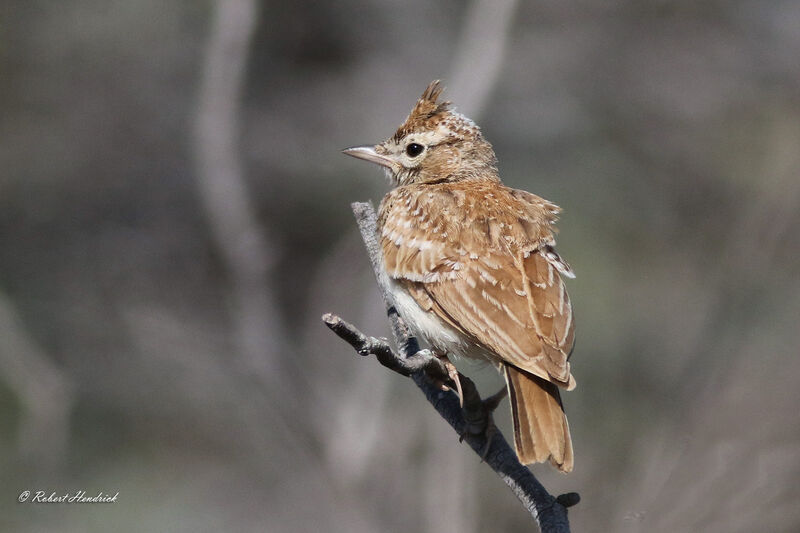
(473, 267)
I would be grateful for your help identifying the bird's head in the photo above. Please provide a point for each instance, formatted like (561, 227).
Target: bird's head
(435, 144)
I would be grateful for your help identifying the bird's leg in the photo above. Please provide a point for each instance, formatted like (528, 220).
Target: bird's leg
(478, 417)
(491, 403)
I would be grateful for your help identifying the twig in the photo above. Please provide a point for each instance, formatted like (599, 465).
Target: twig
(470, 421)
(421, 361)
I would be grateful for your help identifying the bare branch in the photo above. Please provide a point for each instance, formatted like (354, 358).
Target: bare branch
(421, 361)
(470, 421)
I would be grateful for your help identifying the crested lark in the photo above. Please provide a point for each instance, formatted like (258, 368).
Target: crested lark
(473, 267)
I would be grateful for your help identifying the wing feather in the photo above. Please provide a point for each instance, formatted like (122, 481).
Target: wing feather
(481, 259)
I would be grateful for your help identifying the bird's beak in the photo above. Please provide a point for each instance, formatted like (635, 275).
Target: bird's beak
(368, 153)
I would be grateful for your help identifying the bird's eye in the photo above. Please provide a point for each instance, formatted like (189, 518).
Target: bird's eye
(414, 149)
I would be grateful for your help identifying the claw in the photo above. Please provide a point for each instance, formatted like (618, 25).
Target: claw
(452, 373)
(491, 403)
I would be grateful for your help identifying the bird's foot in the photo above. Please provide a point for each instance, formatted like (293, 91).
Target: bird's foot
(479, 419)
(452, 373)
(441, 371)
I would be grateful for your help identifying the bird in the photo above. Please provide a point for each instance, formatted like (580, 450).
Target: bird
(473, 269)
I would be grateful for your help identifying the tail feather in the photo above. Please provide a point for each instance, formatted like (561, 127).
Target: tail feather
(541, 431)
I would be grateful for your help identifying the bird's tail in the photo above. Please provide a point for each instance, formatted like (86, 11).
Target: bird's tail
(541, 431)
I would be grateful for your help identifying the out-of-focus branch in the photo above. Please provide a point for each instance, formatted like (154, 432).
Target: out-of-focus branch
(245, 248)
(548, 511)
(45, 393)
(480, 53)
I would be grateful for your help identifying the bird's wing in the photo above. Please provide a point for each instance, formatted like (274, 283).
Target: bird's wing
(501, 290)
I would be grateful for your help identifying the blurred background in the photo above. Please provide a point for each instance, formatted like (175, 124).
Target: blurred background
(174, 219)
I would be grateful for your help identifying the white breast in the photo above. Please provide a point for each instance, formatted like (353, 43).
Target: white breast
(434, 331)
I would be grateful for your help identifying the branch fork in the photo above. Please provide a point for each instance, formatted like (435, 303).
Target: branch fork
(476, 412)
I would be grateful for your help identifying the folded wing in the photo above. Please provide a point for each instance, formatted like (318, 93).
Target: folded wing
(493, 274)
